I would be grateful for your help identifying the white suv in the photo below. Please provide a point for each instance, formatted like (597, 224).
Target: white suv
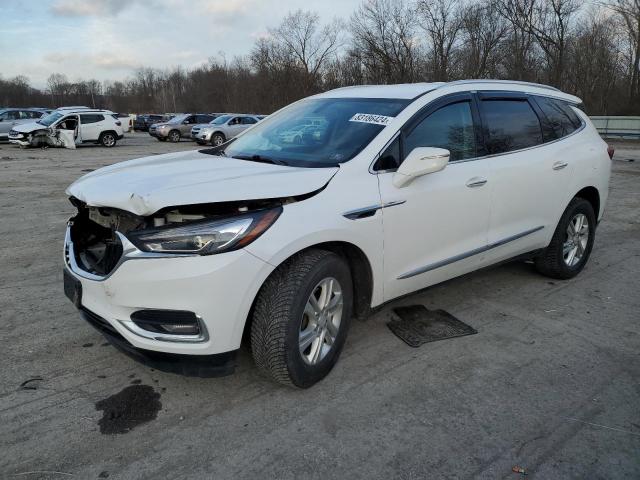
(68, 127)
(399, 187)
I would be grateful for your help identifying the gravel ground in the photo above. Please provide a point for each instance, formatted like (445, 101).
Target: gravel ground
(550, 383)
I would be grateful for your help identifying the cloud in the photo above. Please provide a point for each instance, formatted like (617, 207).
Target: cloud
(84, 8)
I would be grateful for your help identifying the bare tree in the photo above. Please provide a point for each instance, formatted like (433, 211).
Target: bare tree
(442, 22)
(549, 21)
(310, 45)
(384, 41)
(629, 12)
(482, 31)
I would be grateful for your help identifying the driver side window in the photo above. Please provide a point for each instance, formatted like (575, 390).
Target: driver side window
(449, 127)
(234, 121)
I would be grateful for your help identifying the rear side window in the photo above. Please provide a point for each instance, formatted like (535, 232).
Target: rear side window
(558, 117)
(248, 120)
(90, 118)
(449, 127)
(510, 125)
(204, 118)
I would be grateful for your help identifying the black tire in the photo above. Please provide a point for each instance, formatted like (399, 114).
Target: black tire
(551, 261)
(174, 136)
(217, 139)
(108, 139)
(278, 317)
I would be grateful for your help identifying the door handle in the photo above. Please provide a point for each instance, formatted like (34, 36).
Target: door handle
(559, 165)
(476, 182)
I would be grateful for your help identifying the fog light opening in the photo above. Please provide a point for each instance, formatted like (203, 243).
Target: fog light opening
(167, 325)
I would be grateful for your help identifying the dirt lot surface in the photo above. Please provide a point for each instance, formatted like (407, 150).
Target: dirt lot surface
(550, 383)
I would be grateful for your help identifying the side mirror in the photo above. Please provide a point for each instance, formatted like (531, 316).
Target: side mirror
(421, 161)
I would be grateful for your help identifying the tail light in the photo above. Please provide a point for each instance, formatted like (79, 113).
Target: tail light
(610, 151)
(118, 123)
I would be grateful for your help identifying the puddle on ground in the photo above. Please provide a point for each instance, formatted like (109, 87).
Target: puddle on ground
(133, 406)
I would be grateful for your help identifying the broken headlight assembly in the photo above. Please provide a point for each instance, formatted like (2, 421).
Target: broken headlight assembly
(208, 236)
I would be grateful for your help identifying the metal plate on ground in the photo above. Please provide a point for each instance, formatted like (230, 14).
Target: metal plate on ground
(416, 324)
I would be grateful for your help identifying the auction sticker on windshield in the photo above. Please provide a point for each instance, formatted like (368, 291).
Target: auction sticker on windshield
(371, 118)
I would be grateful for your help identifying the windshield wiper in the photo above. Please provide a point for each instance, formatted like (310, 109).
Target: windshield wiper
(261, 159)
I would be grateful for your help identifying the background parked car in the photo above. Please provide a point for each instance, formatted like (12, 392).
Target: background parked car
(179, 126)
(223, 128)
(15, 116)
(69, 127)
(127, 121)
(143, 122)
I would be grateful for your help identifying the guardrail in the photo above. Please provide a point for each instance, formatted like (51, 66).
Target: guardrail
(613, 126)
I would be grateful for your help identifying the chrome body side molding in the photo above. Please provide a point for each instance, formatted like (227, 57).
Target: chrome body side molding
(370, 211)
(468, 254)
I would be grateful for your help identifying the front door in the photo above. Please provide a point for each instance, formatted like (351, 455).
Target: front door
(435, 228)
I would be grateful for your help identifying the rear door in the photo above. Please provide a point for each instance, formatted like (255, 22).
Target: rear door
(91, 126)
(187, 125)
(234, 127)
(435, 228)
(246, 122)
(7, 120)
(527, 177)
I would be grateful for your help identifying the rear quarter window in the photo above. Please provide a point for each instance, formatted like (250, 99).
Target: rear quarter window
(510, 125)
(560, 118)
(91, 118)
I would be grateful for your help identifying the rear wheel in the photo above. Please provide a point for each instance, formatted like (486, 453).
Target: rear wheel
(217, 139)
(572, 241)
(174, 136)
(107, 139)
(301, 318)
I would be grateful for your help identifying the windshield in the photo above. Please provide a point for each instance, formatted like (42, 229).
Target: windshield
(220, 120)
(178, 119)
(317, 132)
(49, 119)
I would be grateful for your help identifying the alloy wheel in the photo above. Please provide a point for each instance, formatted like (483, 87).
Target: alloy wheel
(577, 238)
(320, 322)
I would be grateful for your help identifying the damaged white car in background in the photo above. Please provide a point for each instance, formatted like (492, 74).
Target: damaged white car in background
(69, 127)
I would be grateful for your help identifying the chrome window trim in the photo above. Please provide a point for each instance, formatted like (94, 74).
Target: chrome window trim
(470, 253)
(576, 131)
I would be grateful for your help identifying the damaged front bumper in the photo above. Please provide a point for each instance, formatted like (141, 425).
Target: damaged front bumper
(217, 289)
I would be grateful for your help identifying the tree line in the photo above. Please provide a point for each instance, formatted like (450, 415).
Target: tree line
(589, 49)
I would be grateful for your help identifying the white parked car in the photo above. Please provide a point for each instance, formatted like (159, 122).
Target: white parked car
(175, 257)
(68, 127)
(223, 128)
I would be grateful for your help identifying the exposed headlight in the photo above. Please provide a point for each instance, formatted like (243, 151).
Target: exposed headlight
(206, 237)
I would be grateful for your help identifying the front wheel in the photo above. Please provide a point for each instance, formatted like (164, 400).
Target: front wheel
(174, 136)
(301, 318)
(217, 139)
(108, 139)
(572, 241)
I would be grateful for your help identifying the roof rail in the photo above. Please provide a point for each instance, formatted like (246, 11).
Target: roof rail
(503, 82)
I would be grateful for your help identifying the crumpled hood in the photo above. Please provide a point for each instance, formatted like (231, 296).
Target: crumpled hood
(28, 127)
(146, 185)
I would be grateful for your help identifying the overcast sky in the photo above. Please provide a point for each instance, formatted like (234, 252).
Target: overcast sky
(108, 39)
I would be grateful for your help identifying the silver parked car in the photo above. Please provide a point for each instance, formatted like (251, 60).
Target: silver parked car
(224, 128)
(15, 116)
(179, 126)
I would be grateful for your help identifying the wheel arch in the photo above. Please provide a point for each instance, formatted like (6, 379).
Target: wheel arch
(361, 276)
(591, 195)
